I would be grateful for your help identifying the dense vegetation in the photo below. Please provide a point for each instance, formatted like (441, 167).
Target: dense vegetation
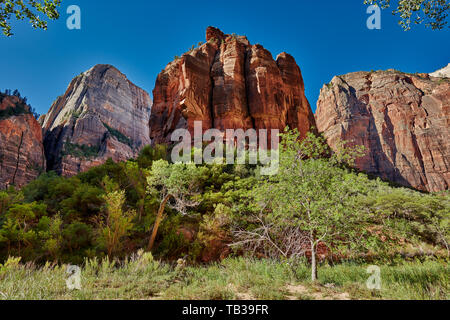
(316, 208)
(80, 151)
(119, 135)
(21, 106)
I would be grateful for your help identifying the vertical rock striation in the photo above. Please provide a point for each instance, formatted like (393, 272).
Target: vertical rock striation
(21, 144)
(101, 115)
(227, 83)
(403, 121)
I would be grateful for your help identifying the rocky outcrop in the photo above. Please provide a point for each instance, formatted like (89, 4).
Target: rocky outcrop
(21, 144)
(403, 121)
(227, 83)
(442, 73)
(102, 115)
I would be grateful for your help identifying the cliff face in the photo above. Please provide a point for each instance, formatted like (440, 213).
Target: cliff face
(102, 115)
(403, 121)
(227, 83)
(21, 144)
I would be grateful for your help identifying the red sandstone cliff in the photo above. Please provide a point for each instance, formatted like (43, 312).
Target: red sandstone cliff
(21, 149)
(403, 121)
(227, 83)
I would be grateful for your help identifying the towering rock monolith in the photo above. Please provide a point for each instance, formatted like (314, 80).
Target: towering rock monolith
(227, 83)
(101, 115)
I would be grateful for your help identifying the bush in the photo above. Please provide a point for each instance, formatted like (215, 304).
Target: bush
(19, 109)
(119, 135)
(80, 151)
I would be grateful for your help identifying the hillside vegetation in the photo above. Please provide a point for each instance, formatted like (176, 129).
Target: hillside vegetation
(316, 213)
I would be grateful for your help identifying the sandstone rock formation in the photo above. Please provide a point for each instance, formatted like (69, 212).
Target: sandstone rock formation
(21, 144)
(403, 121)
(227, 83)
(102, 115)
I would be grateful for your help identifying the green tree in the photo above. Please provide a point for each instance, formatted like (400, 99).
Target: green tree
(19, 225)
(180, 182)
(433, 13)
(117, 223)
(309, 201)
(411, 216)
(50, 233)
(27, 9)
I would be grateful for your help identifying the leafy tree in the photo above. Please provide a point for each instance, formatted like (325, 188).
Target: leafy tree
(179, 182)
(19, 225)
(77, 235)
(50, 233)
(27, 9)
(433, 13)
(311, 199)
(151, 153)
(136, 178)
(411, 216)
(117, 222)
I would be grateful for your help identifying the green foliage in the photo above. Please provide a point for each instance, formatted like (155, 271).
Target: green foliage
(149, 154)
(18, 230)
(117, 224)
(180, 181)
(119, 135)
(19, 109)
(80, 151)
(311, 195)
(69, 219)
(27, 9)
(405, 214)
(433, 13)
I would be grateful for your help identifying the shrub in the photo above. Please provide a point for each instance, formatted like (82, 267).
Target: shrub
(119, 135)
(19, 109)
(80, 151)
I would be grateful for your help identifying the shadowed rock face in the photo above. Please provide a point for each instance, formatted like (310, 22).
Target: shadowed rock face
(102, 115)
(21, 144)
(227, 83)
(403, 121)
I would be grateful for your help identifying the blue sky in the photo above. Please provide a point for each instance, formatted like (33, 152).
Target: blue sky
(140, 37)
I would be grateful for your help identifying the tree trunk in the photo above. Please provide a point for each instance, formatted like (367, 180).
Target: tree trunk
(159, 218)
(313, 262)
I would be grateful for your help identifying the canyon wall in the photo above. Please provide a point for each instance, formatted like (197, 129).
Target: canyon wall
(403, 120)
(21, 143)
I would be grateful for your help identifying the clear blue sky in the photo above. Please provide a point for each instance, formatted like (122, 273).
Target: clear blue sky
(140, 37)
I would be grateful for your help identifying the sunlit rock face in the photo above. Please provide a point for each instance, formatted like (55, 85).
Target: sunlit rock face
(101, 115)
(442, 73)
(403, 121)
(227, 83)
(21, 144)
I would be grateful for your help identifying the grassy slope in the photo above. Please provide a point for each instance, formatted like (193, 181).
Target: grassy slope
(144, 278)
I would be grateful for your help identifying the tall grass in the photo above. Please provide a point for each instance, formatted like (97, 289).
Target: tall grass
(141, 277)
